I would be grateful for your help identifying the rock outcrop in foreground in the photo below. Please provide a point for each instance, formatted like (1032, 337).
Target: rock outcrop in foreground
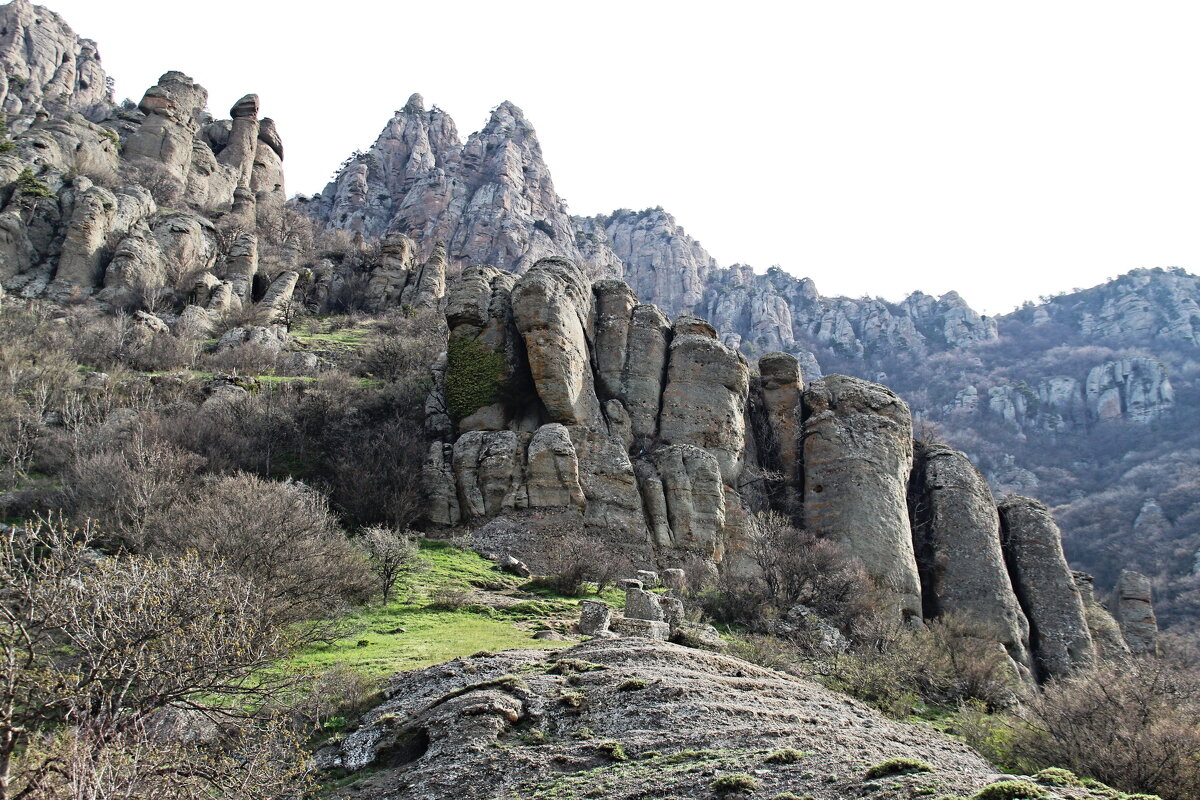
(634, 718)
(564, 403)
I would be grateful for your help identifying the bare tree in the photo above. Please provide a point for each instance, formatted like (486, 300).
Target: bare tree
(391, 554)
(98, 652)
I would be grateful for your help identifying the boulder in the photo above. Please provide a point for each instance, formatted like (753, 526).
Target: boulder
(514, 566)
(857, 455)
(644, 628)
(594, 618)
(1046, 588)
(640, 604)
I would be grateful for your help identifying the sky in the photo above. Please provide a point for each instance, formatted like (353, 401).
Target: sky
(1004, 150)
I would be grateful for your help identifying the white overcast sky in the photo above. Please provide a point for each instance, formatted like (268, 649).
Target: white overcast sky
(1006, 150)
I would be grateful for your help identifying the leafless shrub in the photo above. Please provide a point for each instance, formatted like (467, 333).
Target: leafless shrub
(165, 188)
(127, 485)
(339, 692)
(109, 646)
(449, 598)
(392, 554)
(280, 536)
(1136, 728)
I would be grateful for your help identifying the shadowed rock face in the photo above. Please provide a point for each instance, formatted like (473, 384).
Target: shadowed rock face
(956, 529)
(1133, 607)
(1046, 588)
(857, 455)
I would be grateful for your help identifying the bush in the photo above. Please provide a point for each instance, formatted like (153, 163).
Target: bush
(1010, 790)
(735, 783)
(278, 534)
(786, 756)
(1136, 728)
(29, 186)
(897, 766)
(391, 554)
(613, 749)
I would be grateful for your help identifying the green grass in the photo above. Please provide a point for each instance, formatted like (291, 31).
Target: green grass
(432, 636)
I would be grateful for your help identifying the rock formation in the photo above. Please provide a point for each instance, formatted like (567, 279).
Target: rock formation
(1046, 588)
(632, 717)
(957, 532)
(1133, 607)
(857, 456)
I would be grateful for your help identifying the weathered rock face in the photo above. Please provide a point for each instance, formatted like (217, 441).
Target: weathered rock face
(1137, 389)
(956, 529)
(704, 401)
(858, 453)
(1133, 607)
(776, 311)
(1046, 588)
(490, 200)
(780, 388)
(650, 252)
(46, 66)
(455, 730)
(552, 305)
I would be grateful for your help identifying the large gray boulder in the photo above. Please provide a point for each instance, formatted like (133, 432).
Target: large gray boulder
(956, 529)
(857, 454)
(1046, 588)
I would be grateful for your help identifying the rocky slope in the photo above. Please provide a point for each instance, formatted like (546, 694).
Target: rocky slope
(634, 718)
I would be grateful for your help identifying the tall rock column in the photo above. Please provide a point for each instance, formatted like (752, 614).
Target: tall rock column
(704, 403)
(956, 530)
(1133, 607)
(552, 304)
(857, 456)
(1046, 588)
(782, 388)
(243, 138)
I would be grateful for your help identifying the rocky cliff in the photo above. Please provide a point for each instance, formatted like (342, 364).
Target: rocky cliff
(565, 400)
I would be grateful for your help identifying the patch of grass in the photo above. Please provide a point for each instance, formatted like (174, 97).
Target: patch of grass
(786, 756)
(568, 666)
(897, 766)
(1055, 776)
(613, 750)
(632, 685)
(572, 699)
(1010, 790)
(405, 635)
(735, 783)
